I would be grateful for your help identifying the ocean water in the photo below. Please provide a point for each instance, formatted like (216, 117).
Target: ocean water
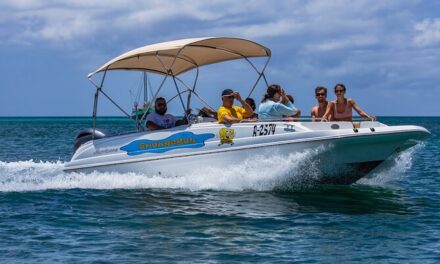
(236, 215)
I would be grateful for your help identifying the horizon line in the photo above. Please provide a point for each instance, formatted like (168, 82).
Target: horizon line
(178, 116)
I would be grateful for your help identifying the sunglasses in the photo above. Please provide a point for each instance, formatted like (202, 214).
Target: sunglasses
(339, 91)
(161, 104)
(229, 96)
(321, 94)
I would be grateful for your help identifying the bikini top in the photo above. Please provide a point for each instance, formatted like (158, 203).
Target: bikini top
(346, 114)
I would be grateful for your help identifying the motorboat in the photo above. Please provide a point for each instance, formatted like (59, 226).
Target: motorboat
(344, 152)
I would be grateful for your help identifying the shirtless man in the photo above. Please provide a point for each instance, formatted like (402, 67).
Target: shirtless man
(319, 110)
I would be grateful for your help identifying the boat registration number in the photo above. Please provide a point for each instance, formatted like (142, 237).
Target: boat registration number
(264, 130)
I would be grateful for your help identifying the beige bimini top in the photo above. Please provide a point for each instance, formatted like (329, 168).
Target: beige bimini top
(179, 56)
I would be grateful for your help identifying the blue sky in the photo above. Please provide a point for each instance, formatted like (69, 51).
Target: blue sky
(386, 52)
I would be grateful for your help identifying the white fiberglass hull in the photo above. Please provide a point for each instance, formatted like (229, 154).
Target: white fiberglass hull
(340, 153)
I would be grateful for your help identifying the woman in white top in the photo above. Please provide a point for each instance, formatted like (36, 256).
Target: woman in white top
(275, 104)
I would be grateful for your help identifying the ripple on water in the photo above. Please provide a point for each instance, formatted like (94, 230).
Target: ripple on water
(49, 216)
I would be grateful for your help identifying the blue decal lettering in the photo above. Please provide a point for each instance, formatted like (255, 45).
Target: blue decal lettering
(176, 141)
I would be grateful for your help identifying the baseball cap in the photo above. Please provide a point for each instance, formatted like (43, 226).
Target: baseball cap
(227, 92)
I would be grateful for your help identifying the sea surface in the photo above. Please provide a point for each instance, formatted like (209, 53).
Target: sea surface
(48, 216)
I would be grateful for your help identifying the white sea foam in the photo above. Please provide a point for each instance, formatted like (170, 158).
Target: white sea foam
(262, 172)
(393, 169)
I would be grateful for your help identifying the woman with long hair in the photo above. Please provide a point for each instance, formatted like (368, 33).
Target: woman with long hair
(275, 104)
(341, 108)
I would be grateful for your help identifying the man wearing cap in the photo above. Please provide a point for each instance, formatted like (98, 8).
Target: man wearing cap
(229, 113)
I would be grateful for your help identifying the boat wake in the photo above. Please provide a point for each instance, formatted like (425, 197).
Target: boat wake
(260, 173)
(392, 169)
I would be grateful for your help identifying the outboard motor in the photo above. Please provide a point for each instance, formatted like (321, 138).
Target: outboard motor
(87, 135)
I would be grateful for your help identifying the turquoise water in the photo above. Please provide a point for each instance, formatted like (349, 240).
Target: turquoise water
(50, 216)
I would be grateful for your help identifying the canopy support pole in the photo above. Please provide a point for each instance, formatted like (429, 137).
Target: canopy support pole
(188, 99)
(137, 123)
(95, 101)
(163, 80)
(175, 83)
(260, 74)
(178, 92)
(192, 91)
(95, 108)
(201, 99)
(170, 73)
(113, 102)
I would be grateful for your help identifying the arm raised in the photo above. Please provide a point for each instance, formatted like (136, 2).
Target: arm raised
(360, 111)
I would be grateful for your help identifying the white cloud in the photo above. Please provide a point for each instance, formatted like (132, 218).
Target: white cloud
(337, 28)
(70, 20)
(72, 4)
(365, 43)
(427, 32)
(347, 42)
(56, 24)
(60, 22)
(24, 4)
(280, 27)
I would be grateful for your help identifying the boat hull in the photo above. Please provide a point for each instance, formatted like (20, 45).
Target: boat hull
(329, 155)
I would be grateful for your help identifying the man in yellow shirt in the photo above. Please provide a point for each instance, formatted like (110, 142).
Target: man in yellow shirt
(229, 113)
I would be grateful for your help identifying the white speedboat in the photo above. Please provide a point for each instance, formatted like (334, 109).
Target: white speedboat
(344, 151)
